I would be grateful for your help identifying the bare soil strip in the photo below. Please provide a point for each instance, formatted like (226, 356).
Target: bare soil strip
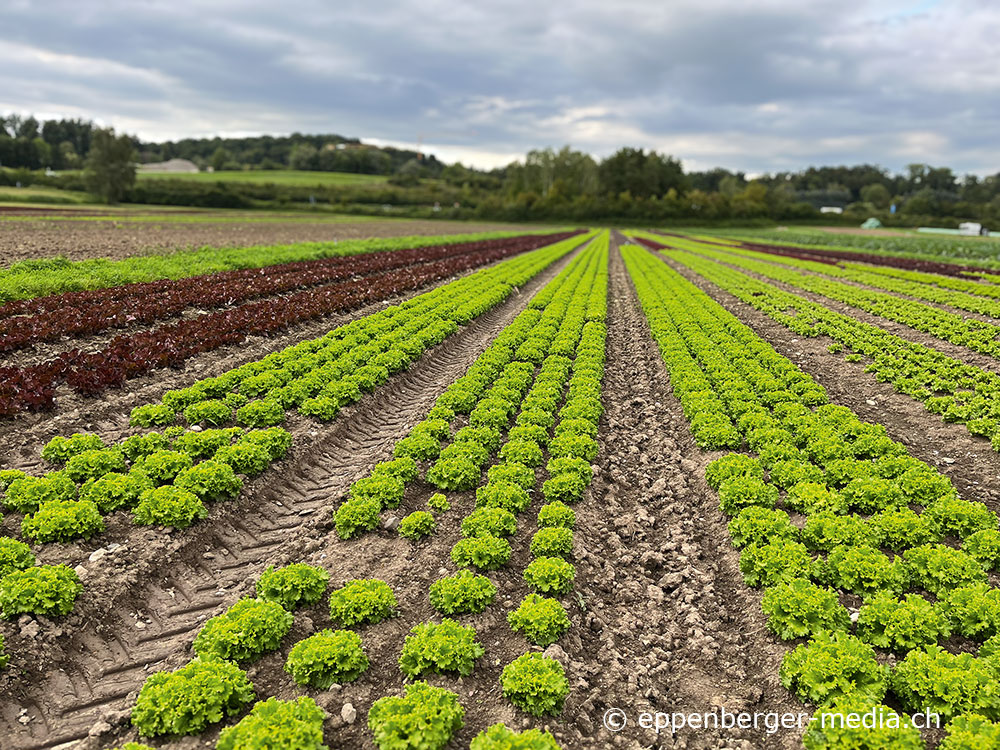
(670, 625)
(144, 601)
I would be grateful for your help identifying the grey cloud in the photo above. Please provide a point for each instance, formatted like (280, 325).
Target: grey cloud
(756, 86)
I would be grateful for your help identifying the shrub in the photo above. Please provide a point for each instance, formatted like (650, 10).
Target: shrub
(26, 494)
(542, 620)
(14, 555)
(939, 568)
(277, 725)
(485, 552)
(164, 466)
(210, 480)
(832, 666)
(901, 624)
(971, 732)
(509, 497)
(556, 514)
(213, 411)
(249, 628)
(555, 541)
(260, 414)
(356, 516)
(63, 520)
(326, 658)
(947, 684)
(244, 458)
(535, 684)
(492, 521)
(91, 464)
(730, 466)
(293, 586)
(743, 491)
(169, 506)
(444, 647)
(362, 602)
(190, 699)
(152, 415)
(830, 729)
(462, 593)
(985, 547)
(864, 571)
(116, 491)
(899, 528)
(775, 562)
(438, 503)
(40, 590)
(799, 608)
(756, 525)
(426, 718)
(454, 474)
(275, 440)
(960, 517)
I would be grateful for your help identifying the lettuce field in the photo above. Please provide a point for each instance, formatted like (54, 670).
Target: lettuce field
(509, 490)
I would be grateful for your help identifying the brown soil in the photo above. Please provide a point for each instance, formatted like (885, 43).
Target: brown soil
(92, 238)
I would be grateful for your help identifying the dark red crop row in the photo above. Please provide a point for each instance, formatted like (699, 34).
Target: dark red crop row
(128, 356)
(892, 261)
(652, 244)
(85, 313)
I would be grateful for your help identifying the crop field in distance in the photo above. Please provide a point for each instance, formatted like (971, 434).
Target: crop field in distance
(273, 480)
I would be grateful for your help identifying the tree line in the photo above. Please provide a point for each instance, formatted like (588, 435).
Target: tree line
(548, 184)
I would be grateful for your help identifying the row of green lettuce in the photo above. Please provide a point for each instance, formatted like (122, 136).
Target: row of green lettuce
(867, 556)
(551, 354)
(168, 477)
(957, 391)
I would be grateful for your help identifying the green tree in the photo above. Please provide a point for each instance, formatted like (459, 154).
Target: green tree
(877, 194)
(220, 159)
(110, 167)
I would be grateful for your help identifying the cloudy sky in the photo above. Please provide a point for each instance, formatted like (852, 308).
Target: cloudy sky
(760, 86)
